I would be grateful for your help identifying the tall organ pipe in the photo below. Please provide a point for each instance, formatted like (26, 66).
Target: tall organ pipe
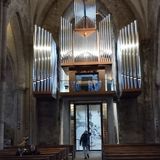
(39, 59)
(137, 55)
(35, 60)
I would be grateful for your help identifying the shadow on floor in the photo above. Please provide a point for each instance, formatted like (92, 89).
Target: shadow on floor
(93, 155)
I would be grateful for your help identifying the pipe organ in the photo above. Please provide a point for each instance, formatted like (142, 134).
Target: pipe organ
(44, 62)
(129, 58)
(85, 44)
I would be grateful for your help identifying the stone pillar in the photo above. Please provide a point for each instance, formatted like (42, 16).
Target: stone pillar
(2, 106)
(146, 107)
(19, 102)
(65, 123)
(111, 125)
(156, 95)
(130, 128)
(3, 26)
(156, 104)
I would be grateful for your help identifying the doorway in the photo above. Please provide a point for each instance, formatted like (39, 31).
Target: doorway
(88, 117)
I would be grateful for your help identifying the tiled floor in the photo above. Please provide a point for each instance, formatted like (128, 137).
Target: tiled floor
(93, 155)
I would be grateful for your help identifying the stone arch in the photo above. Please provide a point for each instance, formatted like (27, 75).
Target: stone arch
(16, 71)
(38, 19)
(46, 9)
(17, 30)
(139, 17)
(127, 12)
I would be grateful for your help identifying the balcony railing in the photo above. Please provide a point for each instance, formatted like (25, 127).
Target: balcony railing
(67, 86)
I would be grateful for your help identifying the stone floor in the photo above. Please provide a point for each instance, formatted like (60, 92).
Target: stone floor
(93, 155)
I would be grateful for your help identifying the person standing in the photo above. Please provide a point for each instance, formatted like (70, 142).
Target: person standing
(85, 142)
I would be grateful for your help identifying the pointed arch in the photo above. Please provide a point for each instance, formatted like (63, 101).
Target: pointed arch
(16, 30)
(137, 7)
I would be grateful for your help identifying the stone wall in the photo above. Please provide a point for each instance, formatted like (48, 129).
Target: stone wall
(130, 121)
(47, 121)
(154, 60)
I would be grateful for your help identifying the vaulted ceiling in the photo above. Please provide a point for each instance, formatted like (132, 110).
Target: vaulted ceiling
(47, 13)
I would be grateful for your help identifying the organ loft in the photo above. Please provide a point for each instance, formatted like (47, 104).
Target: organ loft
(75, 65)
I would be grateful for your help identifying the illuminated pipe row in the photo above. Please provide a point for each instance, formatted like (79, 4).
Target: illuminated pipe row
(66, 41)
(105, 39)
(82, 47)
(44, 60)
(102, 44)
(128, 50)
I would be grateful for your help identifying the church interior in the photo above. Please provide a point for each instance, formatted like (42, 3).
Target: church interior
(67, 66)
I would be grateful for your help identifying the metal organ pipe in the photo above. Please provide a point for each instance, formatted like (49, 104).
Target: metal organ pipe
(137, 55)
(126, 56)
(67, 35)
(35, 59)
(65, 39)
(49, 63)
(61, 38)
(108, 38)
(133, 56)
(124, 59)
(105, 39)
(121, 64)
(103, 50)
(130, 56)
(45, 64)
(39, 59)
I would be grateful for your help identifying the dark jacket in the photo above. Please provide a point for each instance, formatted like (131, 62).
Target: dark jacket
(85, 139)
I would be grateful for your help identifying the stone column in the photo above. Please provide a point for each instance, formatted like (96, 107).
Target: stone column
(111, 125)
(19, 102)
(156, 105)
(146, 107)
(156, 95)
(3, 26)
